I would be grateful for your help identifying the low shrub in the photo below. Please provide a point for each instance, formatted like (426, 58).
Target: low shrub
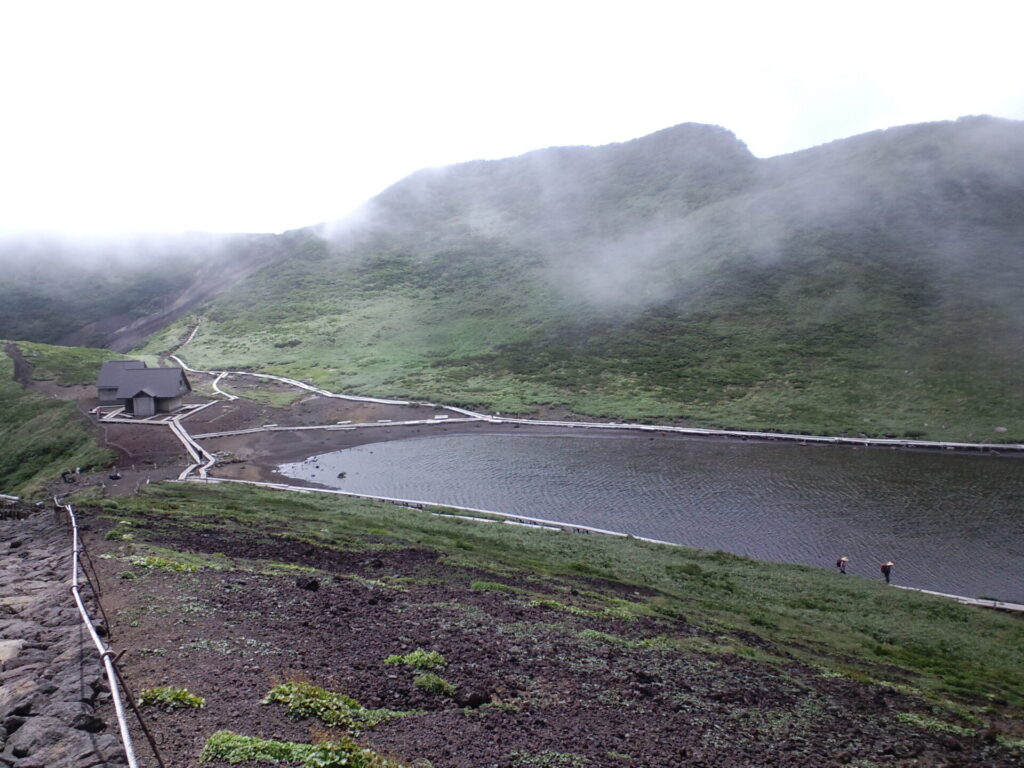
(434, 685)
(235, 748)
(155, 561)
(420, 659)
(120, 532)
(168, 698)
(307, 700)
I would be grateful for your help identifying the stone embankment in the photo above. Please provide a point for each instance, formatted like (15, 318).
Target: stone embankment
(51, 677)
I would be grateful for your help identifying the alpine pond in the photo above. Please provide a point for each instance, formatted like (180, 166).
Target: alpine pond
(951, 522)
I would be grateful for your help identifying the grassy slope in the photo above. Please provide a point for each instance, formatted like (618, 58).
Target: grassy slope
(957, 656)
(42, 300)
(42, 436)
(865, 286)
(85, 292)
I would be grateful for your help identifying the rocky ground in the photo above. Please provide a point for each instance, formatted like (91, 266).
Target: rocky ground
(51, 677)
(543, 672)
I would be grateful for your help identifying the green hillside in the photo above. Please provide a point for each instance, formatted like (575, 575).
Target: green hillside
(42, 436)
(115, 292)
(869, 285)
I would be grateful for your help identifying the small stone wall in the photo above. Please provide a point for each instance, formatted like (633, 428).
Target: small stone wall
(51, 677)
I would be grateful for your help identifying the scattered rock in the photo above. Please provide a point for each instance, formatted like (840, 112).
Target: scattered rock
(83, 721)
(472, 698)
(49, 672)
(9, 649)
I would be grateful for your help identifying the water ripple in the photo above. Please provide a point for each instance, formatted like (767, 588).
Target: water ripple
(951, 522)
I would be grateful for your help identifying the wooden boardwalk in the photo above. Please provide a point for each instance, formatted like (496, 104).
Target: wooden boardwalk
(999, 605)
(545, 524)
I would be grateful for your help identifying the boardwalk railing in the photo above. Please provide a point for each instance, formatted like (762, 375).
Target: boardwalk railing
(104, 651)
(542, 523)
(204, 460)
(884, 442)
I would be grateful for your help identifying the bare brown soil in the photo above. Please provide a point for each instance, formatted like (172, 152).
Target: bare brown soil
(535, 685)
(22, 367)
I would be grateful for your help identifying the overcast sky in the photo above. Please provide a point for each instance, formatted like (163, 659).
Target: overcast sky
(258, 116)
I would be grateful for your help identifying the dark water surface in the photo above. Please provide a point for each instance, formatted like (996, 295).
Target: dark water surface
(951, 522)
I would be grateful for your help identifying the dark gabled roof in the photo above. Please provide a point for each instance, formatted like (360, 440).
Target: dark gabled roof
(132, 378)
(157, 382)
(127, 393)
(110, 373)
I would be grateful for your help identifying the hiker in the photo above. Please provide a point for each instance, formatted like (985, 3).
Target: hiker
(887, 570)
(841, 564)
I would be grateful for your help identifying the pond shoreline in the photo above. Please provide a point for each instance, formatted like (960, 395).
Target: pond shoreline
(262, 452)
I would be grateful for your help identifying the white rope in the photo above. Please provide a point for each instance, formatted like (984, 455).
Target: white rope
(293, 382)
(101, 647)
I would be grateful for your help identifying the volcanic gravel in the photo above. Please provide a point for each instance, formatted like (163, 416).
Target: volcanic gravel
(543, 677)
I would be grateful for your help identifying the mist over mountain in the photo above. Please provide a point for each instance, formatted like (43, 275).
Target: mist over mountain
(114, 292)
(871, 285)
(660, 213)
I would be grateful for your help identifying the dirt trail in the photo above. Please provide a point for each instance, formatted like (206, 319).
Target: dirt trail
(22, 367)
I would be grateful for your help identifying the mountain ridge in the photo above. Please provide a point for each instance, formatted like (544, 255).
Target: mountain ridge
(868, 284)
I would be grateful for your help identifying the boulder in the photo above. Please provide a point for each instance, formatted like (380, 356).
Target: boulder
(36, 734)
(16, 695)
(9, 649)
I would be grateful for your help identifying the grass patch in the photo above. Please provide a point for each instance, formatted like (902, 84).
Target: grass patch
(434, 685)
(42, 436)
(419, 659)
(235, 748)
(549, 758)
(120, 532)
(605, 638)
(168, 698)
(266, 397)
(304, 700)
(936, 646)
(68, 366)
(929, 723)
(160, 563)
(619, 609)
(494, 586)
